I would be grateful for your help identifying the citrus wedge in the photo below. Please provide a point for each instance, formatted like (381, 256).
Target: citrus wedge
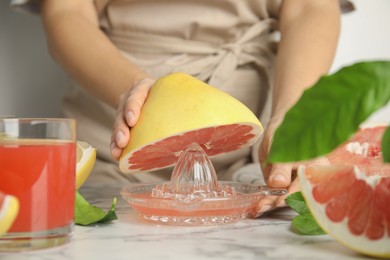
(86, 158)
(181, 110)
(9, 209)
(349, 205)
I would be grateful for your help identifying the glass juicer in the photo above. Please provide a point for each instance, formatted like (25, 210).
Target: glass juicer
(194, 196)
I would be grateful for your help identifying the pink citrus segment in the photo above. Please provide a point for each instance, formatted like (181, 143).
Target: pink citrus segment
(213, 140)
(350, 205)
(364, 149)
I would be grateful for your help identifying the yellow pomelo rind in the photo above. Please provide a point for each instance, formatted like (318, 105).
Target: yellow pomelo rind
(178, 103)
(86, 158)
(339, 231)
(8, 213)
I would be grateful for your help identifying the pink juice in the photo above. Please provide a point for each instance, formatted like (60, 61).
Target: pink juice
(41, 174)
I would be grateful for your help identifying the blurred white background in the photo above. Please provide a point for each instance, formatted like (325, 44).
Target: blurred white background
(31, 84)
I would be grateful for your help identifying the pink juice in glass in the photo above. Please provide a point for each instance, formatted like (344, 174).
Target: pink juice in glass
(41, 174)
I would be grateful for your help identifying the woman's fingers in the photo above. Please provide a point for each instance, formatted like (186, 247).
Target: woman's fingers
(272, 202)
(266, 204)
(283, 176)
(127, 115)
(120, 133)
(280, 175)
(281, 201)
(135, 100)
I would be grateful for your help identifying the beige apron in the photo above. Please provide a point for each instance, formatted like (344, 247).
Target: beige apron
(227, 43)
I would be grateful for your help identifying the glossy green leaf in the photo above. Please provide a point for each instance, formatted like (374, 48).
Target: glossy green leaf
(111, 214)
(329, 113)
(297, 202)
(305, 224)
(86, 214)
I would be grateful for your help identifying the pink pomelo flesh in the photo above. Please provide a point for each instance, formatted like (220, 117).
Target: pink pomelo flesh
(213, 140)
(360, 200)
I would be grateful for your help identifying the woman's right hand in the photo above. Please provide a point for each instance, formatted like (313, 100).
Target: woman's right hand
(127, 115)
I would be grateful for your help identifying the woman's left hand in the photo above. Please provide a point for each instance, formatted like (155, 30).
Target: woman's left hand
(280, 175)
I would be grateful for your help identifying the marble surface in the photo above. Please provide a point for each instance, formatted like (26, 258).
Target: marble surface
(268, 237)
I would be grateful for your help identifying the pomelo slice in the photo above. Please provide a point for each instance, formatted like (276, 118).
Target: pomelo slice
(350, 206)
(9, 209)
(181, 110)
(86, 158)
(364, 149)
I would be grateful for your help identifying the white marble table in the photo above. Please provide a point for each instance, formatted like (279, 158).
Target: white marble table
(129, 237)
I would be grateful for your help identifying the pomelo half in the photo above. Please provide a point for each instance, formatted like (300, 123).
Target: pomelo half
(363, 149)
(349, 205)
(181, 110)
(9, 209)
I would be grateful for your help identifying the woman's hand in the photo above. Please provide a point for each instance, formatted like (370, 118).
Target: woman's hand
(281, 175)
(127, 115)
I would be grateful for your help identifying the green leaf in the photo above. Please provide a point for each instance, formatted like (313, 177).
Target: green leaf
(86, 214)
(111, 214)
(329, 113)
(386, 146)
(305, 224)
(297, 202)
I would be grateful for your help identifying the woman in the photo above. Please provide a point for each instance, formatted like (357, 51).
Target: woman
(114, 50)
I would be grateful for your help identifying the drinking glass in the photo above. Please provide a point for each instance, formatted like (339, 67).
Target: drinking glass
(37, 166)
